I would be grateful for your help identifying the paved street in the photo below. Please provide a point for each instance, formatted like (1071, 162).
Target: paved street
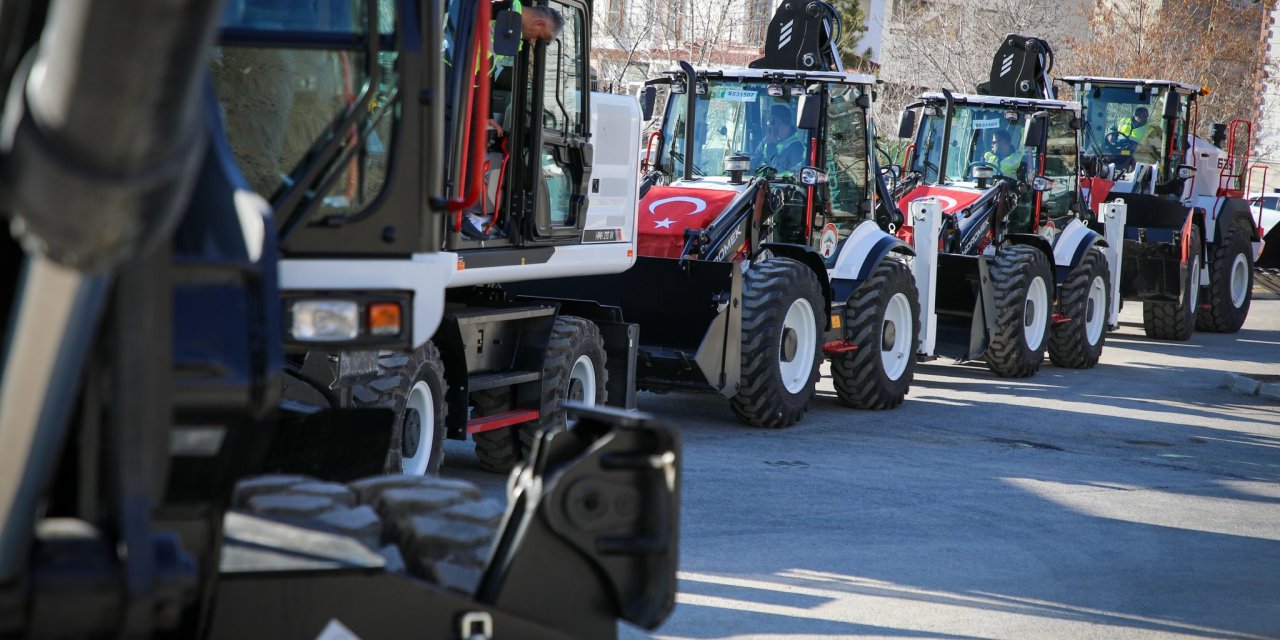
(1133, 500)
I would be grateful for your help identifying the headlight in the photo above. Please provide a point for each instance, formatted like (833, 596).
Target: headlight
(325, 320)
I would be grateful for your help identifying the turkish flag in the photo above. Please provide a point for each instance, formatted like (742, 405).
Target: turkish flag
(952, 199)
(665, 212)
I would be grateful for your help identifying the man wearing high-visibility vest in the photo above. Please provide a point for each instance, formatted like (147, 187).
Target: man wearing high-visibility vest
(783, 146)
(1002, 154)
(1145, 135)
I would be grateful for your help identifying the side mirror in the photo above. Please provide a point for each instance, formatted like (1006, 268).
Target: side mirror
(507, 31)
(809, 113)
(647, 99)
(1041, 183)
(812, 176)
(1186, 171)
(906, 124)
(1172, 106)
(1033, 133)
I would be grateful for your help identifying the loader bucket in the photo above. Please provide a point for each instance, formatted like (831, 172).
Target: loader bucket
(689, 313)
(1267, 267)
(1152, 267)
(962, 315)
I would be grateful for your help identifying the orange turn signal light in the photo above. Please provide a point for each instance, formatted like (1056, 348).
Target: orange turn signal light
(384, 318)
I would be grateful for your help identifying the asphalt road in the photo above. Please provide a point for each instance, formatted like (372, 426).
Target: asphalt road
(1134, 500)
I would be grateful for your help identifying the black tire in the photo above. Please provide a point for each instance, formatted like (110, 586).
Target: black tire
(1176, 320)
(769, 290)
(496, 450)
(860, 376)
(572, 339)
(436, 529)
(1070, 345)
(1014, 272)
(398, 374)
(1221, 314)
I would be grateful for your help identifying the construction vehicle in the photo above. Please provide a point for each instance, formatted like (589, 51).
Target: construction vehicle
(763, 247)
(1019, 271)
(141, 383)
(544, 201)
(1190, 242)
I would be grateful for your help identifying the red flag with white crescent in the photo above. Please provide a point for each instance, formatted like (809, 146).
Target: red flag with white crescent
(952, 199)
(665, 212)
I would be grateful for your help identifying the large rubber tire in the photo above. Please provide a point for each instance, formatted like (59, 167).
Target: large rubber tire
(1084, 298)
(878, 374)
(401, 376)
(1230, 290)
(772, 290)
(1172, 320)
(496, 450)
(434, 528)
(1022, 281)
(573, 370)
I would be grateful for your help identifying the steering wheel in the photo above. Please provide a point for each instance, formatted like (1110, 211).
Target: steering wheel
(968, 171)
(1120, 141)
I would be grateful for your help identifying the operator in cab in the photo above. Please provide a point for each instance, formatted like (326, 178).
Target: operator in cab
(783, 146)
(1003, 155)
(1145, 135)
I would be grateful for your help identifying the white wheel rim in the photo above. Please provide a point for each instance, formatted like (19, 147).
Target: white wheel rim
(582, 384)
(1194, 294)
(1094, 310)
(1239, 280)
(799, 321)
(895, 336)
(1035, 314)
(422, 408)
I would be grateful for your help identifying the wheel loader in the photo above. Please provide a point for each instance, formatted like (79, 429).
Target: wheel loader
(1191, 241)
(158, 480)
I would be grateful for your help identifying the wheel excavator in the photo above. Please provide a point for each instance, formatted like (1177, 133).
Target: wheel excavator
(158, 479)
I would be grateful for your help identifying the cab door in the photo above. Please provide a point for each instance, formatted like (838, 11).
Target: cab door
(560, 175)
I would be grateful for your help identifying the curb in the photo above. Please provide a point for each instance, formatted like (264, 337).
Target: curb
(1248, 386)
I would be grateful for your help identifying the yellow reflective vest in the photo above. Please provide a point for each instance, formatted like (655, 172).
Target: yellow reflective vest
(1008, 165)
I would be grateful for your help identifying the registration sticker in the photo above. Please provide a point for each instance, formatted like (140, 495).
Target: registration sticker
(736, 95)
(993, 123)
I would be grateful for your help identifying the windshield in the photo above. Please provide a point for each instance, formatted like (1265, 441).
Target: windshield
(735, 117)
(281, 100)
(1124, 124)
(981, 135)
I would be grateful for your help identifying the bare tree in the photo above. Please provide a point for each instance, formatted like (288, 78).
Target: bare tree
(1218, 44)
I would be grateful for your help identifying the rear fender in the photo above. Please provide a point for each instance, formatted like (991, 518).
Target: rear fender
(1234, 210)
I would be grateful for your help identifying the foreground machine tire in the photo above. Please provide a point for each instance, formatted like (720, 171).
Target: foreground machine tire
(882, 317)
(1022, 280)
(412, 385)
(573, 370)
(1173, 320)
(1084, 299)
(781, 343)
(1230, 290)
(433, 528)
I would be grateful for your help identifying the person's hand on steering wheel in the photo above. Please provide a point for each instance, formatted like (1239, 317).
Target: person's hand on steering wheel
(1120, 141)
